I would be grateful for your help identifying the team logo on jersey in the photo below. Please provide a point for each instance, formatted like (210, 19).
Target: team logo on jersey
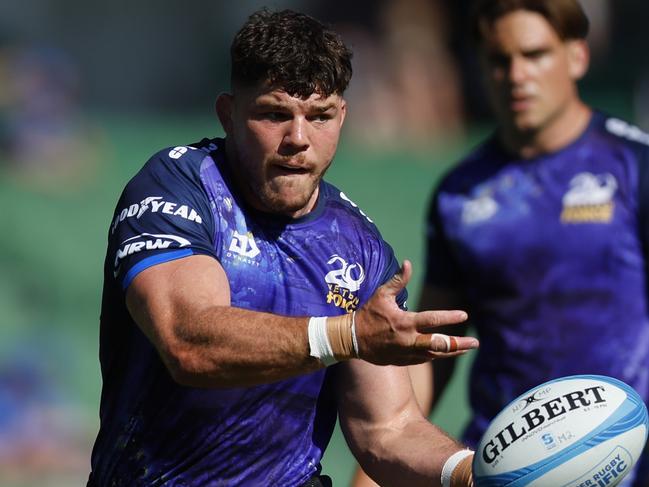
(344, 281)
(243, 248)
(147, 241)
(478, 209)
(589, 199)
(156, 204)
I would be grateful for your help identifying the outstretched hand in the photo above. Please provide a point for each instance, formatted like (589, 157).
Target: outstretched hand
(388, 335)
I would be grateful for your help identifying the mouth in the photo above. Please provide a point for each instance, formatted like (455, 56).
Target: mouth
(290, 168)
(520, 103)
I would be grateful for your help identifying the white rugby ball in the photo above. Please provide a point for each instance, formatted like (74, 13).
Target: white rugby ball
(577, 431)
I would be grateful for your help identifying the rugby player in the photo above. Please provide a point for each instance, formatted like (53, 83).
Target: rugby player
(247, 302)
(542, 231)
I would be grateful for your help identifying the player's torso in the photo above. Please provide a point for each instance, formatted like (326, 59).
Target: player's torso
(551, 256)
(324, 264)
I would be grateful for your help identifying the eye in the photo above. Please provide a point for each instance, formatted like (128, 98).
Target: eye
(274, 116)
(321, 117)
(536, 54)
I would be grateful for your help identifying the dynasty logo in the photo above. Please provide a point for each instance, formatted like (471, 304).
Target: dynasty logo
(344, 281)
(534, 418)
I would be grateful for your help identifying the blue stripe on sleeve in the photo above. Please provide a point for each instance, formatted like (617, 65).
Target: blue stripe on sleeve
(151, 261)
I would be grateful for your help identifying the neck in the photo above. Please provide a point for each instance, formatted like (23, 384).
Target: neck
(560, 131)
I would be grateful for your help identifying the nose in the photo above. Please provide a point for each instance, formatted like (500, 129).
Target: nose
(517, 71)
(296, 135)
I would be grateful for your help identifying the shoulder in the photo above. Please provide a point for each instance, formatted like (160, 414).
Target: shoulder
(183, 159)
(478, 163)
(338, 201)
(621, 133)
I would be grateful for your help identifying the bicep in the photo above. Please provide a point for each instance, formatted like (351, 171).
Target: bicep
(163, 295)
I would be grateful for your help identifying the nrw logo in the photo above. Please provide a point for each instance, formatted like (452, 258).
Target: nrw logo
(244, 245)
(147, 241)
(156, 204)
(344, 282)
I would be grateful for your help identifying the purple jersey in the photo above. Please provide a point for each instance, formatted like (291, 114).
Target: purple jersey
(549, 254)
(156, 432)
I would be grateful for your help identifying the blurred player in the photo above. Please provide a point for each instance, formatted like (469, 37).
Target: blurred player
(542, 231)
(235, 274)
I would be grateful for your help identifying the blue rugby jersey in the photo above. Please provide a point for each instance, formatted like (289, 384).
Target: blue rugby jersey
(548, 253)
(156, 432)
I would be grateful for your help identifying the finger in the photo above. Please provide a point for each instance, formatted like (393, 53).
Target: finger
(443, 343)
(425, 321)
(400, 280)
(440, 343)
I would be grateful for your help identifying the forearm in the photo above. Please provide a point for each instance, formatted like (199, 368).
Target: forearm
(224, 346)
(410, 454)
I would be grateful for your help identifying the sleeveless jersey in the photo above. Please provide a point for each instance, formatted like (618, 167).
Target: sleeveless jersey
(156, 432)
(548, 253)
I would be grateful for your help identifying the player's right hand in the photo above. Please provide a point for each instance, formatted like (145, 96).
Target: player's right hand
(388, 335)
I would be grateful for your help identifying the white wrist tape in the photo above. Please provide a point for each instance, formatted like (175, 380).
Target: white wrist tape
(354, 339)
(319, 345)
(451, 463)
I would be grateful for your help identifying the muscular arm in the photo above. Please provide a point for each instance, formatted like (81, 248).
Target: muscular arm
(183, 307)
(385, 429)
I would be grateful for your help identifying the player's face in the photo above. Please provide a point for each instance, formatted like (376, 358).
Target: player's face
(530, 72)
(282, 145)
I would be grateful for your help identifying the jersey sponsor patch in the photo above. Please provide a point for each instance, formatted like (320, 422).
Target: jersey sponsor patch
(478, 209)
(156, 204)
(146, 241)
(589, 199)
(344, 281)
(243, 248)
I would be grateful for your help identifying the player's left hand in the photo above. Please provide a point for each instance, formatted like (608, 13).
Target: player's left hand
(388, 335)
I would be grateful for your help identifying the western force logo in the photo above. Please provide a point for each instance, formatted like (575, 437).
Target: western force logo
(156, 204)
(479, 209)
(344, 281)
(243, 248)
(147, 241)
(589, 199)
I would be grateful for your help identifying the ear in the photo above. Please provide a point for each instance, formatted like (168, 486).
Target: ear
(224, 107)
(343, 111)
(578, 58)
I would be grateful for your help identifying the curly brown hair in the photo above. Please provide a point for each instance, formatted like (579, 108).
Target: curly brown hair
(290, 51)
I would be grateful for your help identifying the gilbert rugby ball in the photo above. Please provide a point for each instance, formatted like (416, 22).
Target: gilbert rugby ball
(577, 431)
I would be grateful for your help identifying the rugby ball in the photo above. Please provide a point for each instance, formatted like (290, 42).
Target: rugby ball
(576, 431)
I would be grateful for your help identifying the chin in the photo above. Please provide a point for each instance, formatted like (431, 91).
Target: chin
(285, 205)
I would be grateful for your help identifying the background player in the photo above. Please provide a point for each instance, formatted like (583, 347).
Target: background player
(541, 232)
(218, 255)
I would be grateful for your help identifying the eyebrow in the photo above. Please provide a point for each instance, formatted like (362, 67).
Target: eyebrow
(283, 106)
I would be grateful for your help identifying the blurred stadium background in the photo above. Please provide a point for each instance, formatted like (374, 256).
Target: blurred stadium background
(89, 90)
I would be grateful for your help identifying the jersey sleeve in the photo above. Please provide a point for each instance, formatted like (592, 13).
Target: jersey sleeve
(163, 214)
(441, 269)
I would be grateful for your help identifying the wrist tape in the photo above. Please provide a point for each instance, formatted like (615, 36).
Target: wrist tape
(333, 338)
(457, 470)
